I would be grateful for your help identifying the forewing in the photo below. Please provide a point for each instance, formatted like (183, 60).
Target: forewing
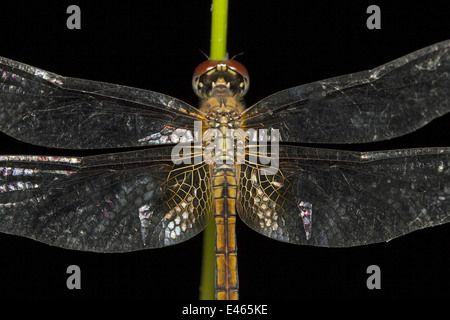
(105, 203)
(389, 101)
(46, 109)
(339, 198)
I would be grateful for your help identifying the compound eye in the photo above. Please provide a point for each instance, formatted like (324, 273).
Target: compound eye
(205, 66)
(242, 70)
(238, 67)
(195, 82)
(201, 78)
(201, 69)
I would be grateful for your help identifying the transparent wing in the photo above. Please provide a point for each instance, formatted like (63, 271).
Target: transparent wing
(106, 203)
(49, 110)
(389, 101)
(340, 198)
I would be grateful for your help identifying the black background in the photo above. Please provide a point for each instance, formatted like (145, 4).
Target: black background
(156, 46)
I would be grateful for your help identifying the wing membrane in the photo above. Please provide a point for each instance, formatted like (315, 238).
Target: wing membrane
(389, 101)
(46, 109)
(340, 198)
(106, 203)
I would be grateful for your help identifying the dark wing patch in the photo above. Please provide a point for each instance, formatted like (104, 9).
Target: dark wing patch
(390, 101)
(46, 109)
(107, 203)
(339, 198)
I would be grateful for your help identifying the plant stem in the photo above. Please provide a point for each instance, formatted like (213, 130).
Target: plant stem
(219, 30)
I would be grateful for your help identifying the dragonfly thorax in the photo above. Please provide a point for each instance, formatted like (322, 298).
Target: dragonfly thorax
(222, 112)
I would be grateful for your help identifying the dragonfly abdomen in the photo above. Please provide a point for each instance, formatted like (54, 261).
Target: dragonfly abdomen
(225, 191)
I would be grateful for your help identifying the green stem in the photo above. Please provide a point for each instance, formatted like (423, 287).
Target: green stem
(219, 30)
(218, 52)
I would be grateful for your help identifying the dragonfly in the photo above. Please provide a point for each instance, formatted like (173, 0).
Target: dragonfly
(186, 169)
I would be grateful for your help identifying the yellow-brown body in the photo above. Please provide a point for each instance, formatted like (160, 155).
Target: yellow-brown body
(222, 107)
(224, 171)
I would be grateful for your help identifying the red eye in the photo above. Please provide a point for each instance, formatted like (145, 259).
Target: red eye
(205, 66)
(237, 66)
(211, 64)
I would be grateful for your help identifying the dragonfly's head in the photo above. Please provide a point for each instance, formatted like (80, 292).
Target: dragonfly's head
(227, 77)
